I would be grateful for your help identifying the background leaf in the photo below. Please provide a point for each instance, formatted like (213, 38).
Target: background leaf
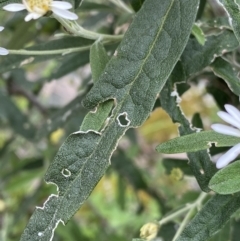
(224, 70)
(211, 218)
(200, 162)
(232, 8)
(14, 61)
(136, 4)
(20, 123)
(198, 33)
(98, 59)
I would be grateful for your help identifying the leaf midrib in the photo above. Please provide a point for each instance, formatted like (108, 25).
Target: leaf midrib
(140, 70)
(119, 105)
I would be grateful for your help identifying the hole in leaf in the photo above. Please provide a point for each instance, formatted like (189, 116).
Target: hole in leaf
(202, 171)
(123, 120)
(66, 172)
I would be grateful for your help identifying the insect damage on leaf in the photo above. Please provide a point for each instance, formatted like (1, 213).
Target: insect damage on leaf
(123, 120)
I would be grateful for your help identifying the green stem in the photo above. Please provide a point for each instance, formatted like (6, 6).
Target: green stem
(73, 28)
(189, 208)
(183, 224)
(48, 52)
(174, 215)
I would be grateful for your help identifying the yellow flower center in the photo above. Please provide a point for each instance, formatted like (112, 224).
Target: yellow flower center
(38, 6)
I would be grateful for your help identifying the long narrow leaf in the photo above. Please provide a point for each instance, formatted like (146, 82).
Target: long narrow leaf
(211, 218)
(133, 78)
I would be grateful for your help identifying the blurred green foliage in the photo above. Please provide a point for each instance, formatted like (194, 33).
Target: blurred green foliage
(40, 105)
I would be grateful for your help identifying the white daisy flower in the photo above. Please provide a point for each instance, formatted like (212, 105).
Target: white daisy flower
(38, 8)
(232, 117)
(3, 51)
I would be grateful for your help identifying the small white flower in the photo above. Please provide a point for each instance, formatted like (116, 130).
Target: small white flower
(3, 51)
(38, 8)
(232, 117)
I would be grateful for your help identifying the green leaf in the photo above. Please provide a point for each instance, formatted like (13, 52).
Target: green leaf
(70, 63)
(223, 234)
(136, 4)
(226, 181)
(169, 164)
(232, 8)
(235, 231)
(89, 6)
(201, 8)
(77, 3)
(133, 78)
(212, 217)
(197, 141)
(98, 59)
(14, 61)
(219, 94)
(196, 57)
(10, 113)
(197, 121)
(71, 232)
(198, 33)
(22, 180)
(61, 117)
(200, 163)
(127, 169)
(224, 70)
(96, 120)
(218, 23)
(167, 231)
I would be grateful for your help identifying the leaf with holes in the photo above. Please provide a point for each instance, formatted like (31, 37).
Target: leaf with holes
(133, 78)
(232, 7)
(200, 162)
(224, 70)
(196, 56)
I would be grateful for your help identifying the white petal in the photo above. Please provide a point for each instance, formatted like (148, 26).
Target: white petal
(229, 156)
(3, 51)
(14, 7)
(37, 15)
(31, 16)
(1, 28)
(229, 119)
(28, 17)
(61, 5)
(227, 130)
(233, 111)
(65, 13)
